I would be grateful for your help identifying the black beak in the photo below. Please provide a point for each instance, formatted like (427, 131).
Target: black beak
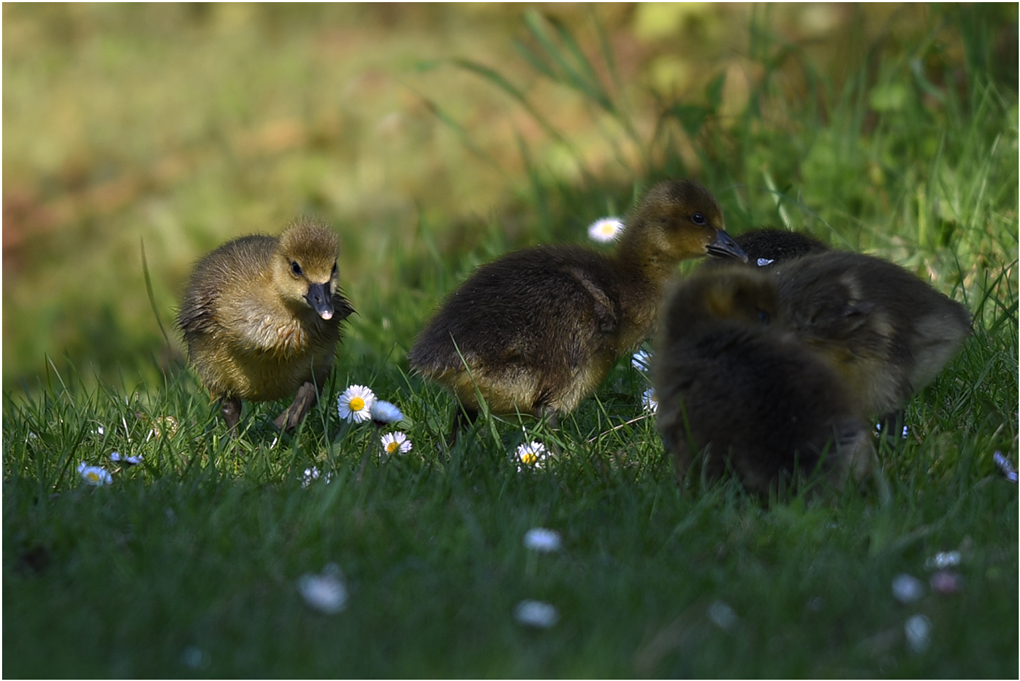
(320, 299)
(724, 246)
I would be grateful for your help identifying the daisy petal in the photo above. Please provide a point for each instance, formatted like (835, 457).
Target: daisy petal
(355, 404)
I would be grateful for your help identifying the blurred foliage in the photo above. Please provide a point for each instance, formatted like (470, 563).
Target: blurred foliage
(448, 132)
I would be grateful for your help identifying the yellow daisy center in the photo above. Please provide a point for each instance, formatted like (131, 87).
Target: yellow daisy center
(92, 476)
(392, 447)
(356, 404)
(528, 458)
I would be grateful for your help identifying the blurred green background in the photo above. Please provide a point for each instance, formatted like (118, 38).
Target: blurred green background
(186, 125)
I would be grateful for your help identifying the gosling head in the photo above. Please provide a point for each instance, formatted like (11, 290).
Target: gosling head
(305, 268)
(678, 219)
(741, 295)
(733, 293)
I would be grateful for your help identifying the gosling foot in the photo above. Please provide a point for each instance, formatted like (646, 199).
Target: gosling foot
(230, 408)
(305, 399)
(463, 419)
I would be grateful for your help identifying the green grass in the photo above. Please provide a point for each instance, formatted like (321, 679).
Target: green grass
(187, 565)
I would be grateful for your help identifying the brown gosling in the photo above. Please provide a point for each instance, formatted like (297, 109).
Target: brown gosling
(537, 330)
(769, 246)
(887, 332)
(261, 317)
(738, 392)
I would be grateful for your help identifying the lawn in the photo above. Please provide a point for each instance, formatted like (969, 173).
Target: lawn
(435, 139)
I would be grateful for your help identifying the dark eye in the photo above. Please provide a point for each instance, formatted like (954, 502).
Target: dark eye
(763, 317)
(295, 268)
(698, 219)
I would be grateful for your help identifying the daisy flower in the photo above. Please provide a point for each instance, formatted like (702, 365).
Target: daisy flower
(312, 474)
(530, 455)
(396, 443)
(129, 460)
(385, 412)
(918, 633)
(542, 540)
(722, 616)
(355, 404)
(605, 230)
(324, 592)
(94, 475)
(907, 588)
(195, 658)
(641, 360)
(650, 401)
(536, 614)
(1005, 466)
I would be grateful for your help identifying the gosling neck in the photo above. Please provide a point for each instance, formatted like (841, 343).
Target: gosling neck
(642, 277)
(641, 264)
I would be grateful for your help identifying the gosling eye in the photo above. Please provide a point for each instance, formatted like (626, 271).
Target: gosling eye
(763, 317)
(698, 219)
(295, 268)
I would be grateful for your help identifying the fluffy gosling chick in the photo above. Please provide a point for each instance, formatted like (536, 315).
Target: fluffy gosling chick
(261, 317)
(537, 330)
(886, 331)
(737, 391)
(769, 245)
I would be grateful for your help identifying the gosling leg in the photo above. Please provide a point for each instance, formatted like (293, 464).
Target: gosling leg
(552, 421)
(230, 408)
(891, 429)
(463, 419)
(305, 399)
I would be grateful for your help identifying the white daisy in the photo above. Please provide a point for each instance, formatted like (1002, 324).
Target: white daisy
(722, 616)
(129, 460)
(542, 540)
(907, 588)
(918, 633)
(605, 230)
(650, 401)
(396, 443)
(312, 474)
(1001, 462)
(94, 475)
(385, 412)
(325, 592)
(355, 405)
(536, 614)
(195, 658)
(943, 560)
(641, 361)
(530, 455)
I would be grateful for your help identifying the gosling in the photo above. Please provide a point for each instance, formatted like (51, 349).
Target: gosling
(886, 331)
(261, 317)
(537, 330)
(737, 392)
(768, 246)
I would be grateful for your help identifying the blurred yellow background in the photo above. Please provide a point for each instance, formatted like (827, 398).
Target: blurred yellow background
(187, 125)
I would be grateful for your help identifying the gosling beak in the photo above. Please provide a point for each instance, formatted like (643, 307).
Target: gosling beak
(319, 298)
(724, 246)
